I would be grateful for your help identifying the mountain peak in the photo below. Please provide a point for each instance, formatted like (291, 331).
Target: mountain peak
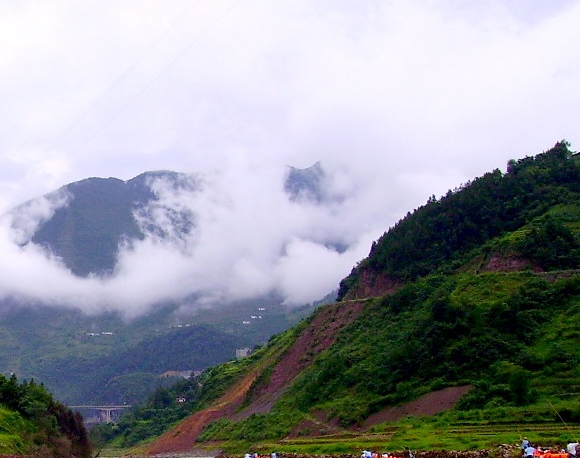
(305, 184)
(87, 227)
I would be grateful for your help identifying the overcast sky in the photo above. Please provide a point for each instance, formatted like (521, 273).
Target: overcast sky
(398, 99)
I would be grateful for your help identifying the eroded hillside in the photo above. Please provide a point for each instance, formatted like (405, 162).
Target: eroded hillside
(253, 392)
(468, 303)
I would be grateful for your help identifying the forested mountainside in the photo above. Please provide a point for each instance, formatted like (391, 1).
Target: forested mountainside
(474, 296)
(127, 374)
(32, 423)
(443, 232)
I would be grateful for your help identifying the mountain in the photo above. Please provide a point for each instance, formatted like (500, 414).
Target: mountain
(91, 219)
(305, 184)
(531, 198)
(469, 303)
(97, 215)
(92, 358)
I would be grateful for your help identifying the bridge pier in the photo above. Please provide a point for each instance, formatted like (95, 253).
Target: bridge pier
(107, 410)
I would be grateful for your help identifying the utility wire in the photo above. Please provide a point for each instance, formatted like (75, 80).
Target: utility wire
(560, 417)
(152, 81)
(122, 76)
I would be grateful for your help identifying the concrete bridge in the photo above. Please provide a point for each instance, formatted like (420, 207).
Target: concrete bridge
(106, 410)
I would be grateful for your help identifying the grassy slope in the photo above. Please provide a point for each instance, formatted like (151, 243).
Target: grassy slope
(13, 431)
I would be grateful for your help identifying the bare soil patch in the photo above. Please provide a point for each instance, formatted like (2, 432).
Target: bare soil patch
(502, 263)
(426, 405)
(182, 437)
(319, 335)
(373, 284)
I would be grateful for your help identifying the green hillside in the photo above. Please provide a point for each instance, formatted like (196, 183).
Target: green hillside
(478, 291)
(443, 232)
(32, 423)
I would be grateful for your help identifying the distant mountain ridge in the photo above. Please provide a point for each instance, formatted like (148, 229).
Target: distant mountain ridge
(94, 216)
(97, 216)
(85, 224)
(305, 184)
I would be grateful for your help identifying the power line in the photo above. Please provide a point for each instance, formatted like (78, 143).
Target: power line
(152, 81)
(122, 76)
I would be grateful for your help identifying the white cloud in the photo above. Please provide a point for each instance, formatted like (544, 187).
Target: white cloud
(30, 215)
(398, 100)
(308, 270)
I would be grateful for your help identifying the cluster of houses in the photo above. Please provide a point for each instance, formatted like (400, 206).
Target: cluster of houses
(181, 374)
(255, 317)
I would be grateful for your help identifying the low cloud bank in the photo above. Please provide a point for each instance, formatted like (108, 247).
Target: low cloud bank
(249, 238)
(399, 101)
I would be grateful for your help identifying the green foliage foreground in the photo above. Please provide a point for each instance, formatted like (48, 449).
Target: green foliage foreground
(32, 422)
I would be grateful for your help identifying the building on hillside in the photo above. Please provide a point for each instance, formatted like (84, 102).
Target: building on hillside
(242, 352)
(181, 374)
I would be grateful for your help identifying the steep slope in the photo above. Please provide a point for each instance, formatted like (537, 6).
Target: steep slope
(258, 392)
(471, 301)
(184, 435)
(320, 334)
(447, 229)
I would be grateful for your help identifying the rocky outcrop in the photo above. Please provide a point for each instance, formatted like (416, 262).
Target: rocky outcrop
(372, 284)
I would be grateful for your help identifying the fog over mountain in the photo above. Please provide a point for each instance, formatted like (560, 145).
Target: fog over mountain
(195, 239)
(397, 100)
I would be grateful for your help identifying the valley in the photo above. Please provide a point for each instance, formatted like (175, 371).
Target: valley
(107, 359)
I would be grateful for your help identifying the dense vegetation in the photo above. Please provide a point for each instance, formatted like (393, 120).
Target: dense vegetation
(32, 422)
(495, 330)
(446, 229)
(490, 298)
